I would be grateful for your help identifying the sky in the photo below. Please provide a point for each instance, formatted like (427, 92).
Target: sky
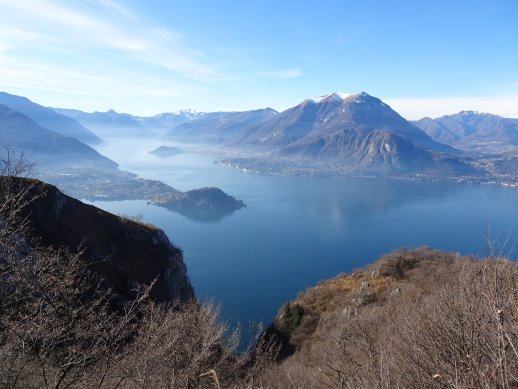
(424, 58)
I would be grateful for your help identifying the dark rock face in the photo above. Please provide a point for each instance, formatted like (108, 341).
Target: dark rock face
(124, 251)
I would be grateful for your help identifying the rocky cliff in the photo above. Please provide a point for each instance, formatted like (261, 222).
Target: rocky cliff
(123, 251)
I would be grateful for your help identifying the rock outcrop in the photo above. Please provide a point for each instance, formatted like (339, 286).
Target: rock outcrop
(125, 252)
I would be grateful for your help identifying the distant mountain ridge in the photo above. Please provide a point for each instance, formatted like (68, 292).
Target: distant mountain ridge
(108, 124)
(44, 146)
(217, 127)
(81, 171)
(48, 118)
(164, 122)
(333, 134)
(471, 130)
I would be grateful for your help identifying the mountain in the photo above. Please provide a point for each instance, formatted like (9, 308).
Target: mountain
(472, 130)
(437, 131)
(123, 251)
(363, 149)
(164, 122)
(108, 124)
(48, 118)
(317, 118)
(359, 131)
(46, 147)
(217, 127)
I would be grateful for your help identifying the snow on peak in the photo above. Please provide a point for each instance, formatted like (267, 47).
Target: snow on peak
(472, 113)
(365, 98)
(336, 96)
(186, 112)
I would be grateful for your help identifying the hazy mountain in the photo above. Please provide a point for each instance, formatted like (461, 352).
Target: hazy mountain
(436, 130)
(164, 122)
(215, 127)
(358, 131)
(472, 130)
(48, 118)
(44, 146)
(108, 124)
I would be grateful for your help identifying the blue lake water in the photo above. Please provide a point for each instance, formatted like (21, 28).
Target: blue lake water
(297, 231)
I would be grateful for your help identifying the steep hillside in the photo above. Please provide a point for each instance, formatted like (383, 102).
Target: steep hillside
(124, 251)
(365, 150)
(415, 318)
(48, 118)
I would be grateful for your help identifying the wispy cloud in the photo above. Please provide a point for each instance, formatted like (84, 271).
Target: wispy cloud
(93, 24)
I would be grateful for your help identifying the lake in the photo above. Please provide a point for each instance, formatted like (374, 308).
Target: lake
(297, 231)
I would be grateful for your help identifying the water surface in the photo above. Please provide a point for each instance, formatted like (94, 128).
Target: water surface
(297, 231)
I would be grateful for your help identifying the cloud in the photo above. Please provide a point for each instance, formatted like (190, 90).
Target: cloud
(94, 24)
(417, 108)
(18, 35)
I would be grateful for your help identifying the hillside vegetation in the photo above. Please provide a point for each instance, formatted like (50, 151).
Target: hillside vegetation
(414, 319)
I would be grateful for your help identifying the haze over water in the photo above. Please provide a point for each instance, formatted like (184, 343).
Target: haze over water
(297, 231)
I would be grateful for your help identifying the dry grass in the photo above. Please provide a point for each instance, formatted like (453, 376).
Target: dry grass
(413, 319)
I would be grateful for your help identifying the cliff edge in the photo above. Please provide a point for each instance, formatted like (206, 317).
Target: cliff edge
(123, 251)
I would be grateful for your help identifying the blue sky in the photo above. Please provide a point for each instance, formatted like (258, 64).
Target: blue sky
(425, 58)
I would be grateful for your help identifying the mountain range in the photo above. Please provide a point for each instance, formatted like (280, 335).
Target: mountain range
(473, 131)
(108, 124)
(46, 147)
(332, 134)
(218, 127)
(164, 122)
(80, 170)
(48, 118)
(358, 132)
(312, 120)
(111, 124)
